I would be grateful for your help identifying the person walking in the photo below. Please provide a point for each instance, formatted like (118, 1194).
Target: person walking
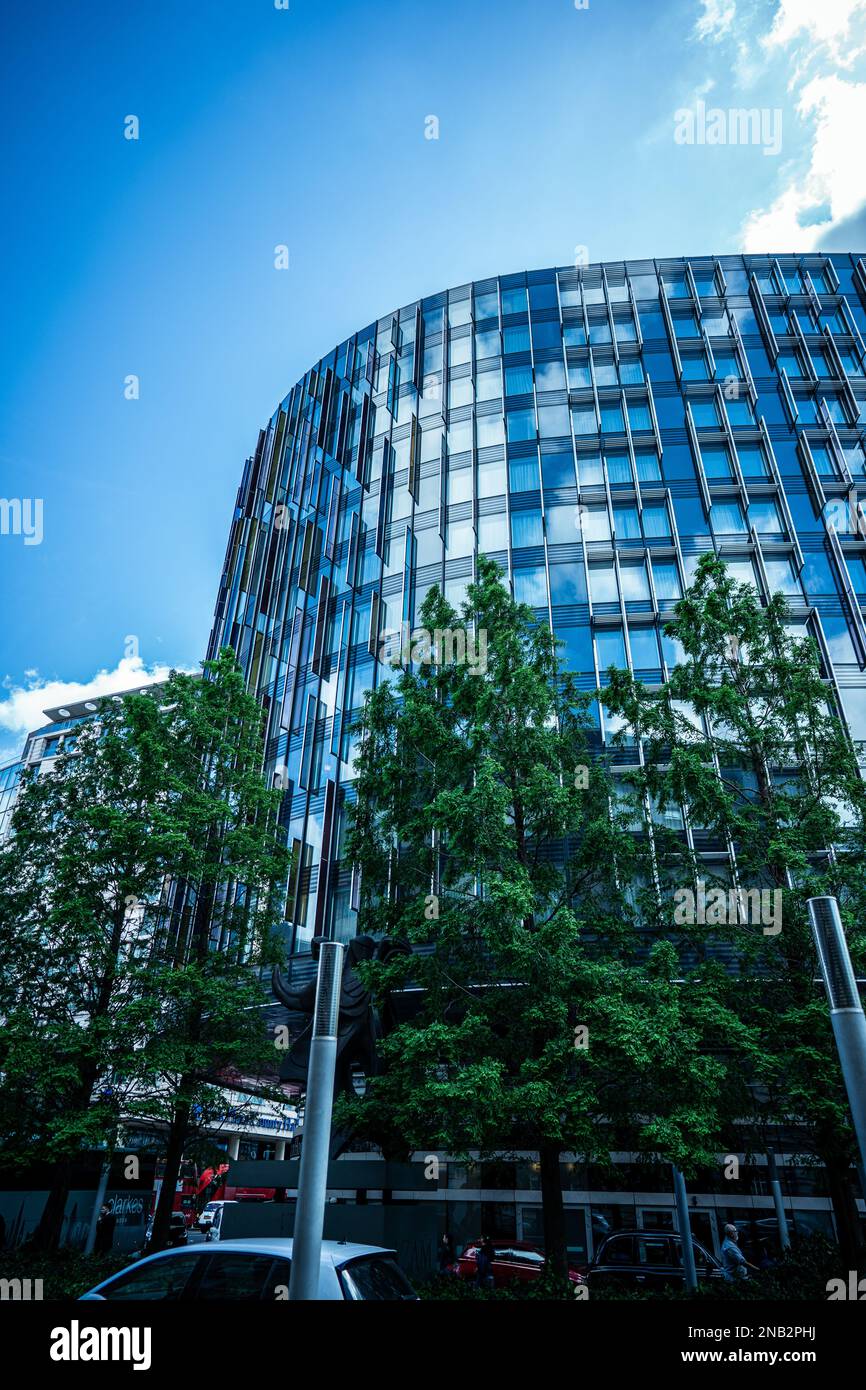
(484, 1264)
(445, 1255)
(734, 1262)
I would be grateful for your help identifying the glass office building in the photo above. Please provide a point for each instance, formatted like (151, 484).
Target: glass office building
(594, 430)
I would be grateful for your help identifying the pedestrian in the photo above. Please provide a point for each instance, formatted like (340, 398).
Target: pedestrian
(445, 1255)
(105, 1225)
(484, 1264)
(734, 1262)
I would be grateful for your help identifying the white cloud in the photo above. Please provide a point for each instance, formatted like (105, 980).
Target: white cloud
(827, 25)
(24, 706)
(717, 19)
(834, 182)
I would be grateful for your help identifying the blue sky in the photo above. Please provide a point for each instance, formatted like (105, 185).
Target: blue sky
(306, 127)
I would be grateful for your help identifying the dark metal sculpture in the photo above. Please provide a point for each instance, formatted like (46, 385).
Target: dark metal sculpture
(361, 1023)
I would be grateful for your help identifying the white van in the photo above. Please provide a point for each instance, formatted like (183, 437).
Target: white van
(211, 1219)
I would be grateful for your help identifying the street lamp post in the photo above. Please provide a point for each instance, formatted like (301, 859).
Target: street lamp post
(778, 1202)
(313, 1176)
(846, 1010)
(682, 1200)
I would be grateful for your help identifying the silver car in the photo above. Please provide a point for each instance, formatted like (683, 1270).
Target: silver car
(257, 1270)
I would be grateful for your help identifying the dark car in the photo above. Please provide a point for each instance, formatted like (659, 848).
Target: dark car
(512, 1259)
(650, 1260)
(178, 1231)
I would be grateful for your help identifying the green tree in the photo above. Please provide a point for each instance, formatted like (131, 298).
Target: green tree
(110, 999)
(488, 836)
(746, 739)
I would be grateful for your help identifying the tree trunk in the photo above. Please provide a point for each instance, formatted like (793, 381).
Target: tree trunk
(48, 1233)
(173, 1155)
(845, 1213)
(553, 1210)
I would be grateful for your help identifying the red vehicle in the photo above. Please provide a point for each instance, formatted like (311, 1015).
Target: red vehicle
(512, 1259)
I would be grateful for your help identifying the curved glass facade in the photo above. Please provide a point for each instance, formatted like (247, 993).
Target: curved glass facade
(594, 430)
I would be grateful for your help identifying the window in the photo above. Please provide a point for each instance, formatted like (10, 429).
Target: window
(602, 584)
(488, 386)
(492, 533)
(375, 1279)
(460, 437)
(489, 430)
(753, 460)
(517, 338)
(626, 523)
(686, 326)
(705, 414)
(460, 392)
(579, 376)
(520, 425)
(648, 470)
(656, 521)
(546, 335)
(487, 344)
(726, 518)
(576, 651)
(589, 470)
(460, 539)
(583, 419)
(543, 295)
(633, 577)
(518, 381)
(553, 421)
(460, 351)
(459, 485)
(764, 516)
(550, 376)
(574, 335)
(486, 306)
(596, 524)
(238, 1276)
(568, 583)
(563, 525)
(818, 575)
(557, 470)
(526, 529)
(695, 367)
(164, 1278)
(618, 468)
(630, 371)
(782, 579)
(740, 412)
(644, 648)
(611, 417)
(839, 641)
(530, 587)
(491, 479)
(514, 301)
(610, 648)
(690, 518)
(666, 580)
(523, 475)
(716, 461)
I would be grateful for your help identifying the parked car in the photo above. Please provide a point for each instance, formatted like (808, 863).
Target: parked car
(513, 1259)
(211, 1213)
(257, 1271)
(178, 1231)
(647, 1260)
(214, 1230)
